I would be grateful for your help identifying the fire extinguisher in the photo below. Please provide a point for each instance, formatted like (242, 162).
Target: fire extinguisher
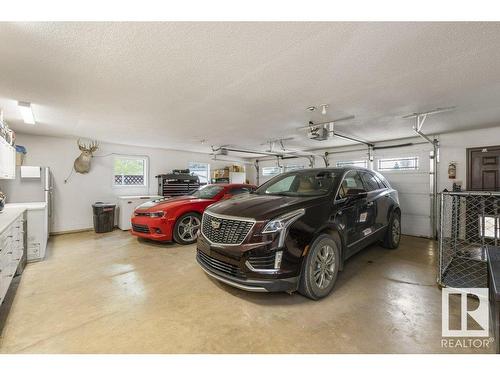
(452, 170)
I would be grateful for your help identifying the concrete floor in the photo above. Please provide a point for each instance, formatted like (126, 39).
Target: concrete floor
(112, 293)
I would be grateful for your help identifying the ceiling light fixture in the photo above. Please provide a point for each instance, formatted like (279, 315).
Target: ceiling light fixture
(26, 112)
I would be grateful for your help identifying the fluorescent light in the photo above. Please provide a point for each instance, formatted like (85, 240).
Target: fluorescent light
(26, 112)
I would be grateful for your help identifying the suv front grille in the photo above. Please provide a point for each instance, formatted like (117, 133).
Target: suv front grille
(262, 262)
(225, 231)
(140, 228)
(219, 265)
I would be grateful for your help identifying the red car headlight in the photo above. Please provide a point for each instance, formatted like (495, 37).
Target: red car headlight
(157, 214)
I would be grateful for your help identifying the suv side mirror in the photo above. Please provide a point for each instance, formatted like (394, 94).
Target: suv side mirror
(356, 194)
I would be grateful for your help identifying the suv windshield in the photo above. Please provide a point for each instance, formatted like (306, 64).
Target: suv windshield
(300, 184)
(207, 191)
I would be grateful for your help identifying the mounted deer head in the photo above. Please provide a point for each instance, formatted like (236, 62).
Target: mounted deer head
(82, 163)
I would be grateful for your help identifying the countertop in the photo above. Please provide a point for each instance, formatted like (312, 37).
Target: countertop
(29, 205)
(8, 215)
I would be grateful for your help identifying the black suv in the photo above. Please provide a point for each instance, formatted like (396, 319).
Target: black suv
(296, 230)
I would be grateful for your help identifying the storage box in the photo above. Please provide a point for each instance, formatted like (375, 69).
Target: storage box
(235, 168)
(221, 173)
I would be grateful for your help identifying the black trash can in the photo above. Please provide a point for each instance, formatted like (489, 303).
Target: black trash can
(104, 217)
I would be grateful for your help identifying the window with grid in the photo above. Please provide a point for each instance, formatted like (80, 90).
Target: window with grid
(398, 164)
(355, 163)
(289, 168)
(130, 171)
(202, 170)
(270, 171)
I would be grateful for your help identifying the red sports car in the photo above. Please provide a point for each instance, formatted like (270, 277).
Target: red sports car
(179, 218)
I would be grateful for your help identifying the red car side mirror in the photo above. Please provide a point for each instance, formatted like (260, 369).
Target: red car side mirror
(226, 196)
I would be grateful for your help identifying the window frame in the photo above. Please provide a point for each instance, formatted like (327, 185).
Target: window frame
(292, 167)
(208, 171)
(337, 195)
(349, 163)
(271, 175)
(417, 164)
(145, 174)
(374, 177)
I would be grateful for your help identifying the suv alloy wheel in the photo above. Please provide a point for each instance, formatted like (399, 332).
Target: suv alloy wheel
(320, 268)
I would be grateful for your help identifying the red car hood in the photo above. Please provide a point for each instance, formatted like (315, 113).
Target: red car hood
(163, 204)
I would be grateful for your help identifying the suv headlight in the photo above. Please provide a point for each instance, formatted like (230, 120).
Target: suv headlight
(281, 224)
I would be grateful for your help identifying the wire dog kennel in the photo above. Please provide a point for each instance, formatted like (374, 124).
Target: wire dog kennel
(469, 222)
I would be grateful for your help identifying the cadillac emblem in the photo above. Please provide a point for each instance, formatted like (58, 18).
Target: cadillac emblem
(215, 224)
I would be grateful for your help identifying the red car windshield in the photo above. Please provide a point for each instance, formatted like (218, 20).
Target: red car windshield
(207, 191)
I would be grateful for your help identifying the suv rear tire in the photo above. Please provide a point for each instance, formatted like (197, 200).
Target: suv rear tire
(393, 233)
(320, 268)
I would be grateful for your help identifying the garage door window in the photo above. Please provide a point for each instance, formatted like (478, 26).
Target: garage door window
(356, 163)
(289, 168)
(130, 171)
(270, 171)
(398, 164)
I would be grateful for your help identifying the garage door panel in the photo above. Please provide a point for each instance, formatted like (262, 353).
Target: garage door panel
(415, 225)
(407, 178)
(413, 187)
(412, 205)
(419, 189)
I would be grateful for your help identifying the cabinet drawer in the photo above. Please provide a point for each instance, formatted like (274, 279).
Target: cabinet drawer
(33, 252)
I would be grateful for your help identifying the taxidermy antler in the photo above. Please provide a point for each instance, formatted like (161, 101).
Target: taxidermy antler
(82, 163)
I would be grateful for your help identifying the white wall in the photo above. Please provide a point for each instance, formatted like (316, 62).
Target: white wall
(72, 201)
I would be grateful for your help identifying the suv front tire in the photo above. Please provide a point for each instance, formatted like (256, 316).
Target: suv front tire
(320, 268)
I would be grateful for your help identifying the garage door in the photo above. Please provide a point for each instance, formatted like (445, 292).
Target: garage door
(407, 170)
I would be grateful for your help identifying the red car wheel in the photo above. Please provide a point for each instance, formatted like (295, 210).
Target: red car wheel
(186, 228)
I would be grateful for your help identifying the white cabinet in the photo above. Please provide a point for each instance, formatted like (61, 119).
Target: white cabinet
(37, 234)
(7, 160)
(11, 252)
(37, 228)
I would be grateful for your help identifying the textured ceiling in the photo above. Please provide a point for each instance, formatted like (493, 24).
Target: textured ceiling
(172, 84)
